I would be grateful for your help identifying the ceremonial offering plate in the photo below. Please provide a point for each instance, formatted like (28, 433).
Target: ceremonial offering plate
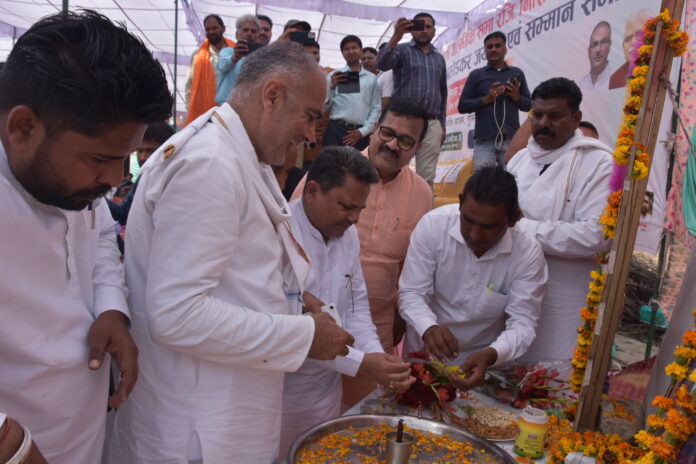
(358, 444)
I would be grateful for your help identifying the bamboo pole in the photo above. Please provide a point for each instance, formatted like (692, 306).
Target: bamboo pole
(612, 302)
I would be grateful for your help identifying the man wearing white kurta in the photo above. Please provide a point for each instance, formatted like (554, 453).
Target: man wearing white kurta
(215, 276)
(563, 178)
(63, 298)
(472, 282)
(323, 219)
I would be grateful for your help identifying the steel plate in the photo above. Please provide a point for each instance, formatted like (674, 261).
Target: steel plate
(493, 453)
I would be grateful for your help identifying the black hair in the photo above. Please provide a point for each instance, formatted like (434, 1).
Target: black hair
(158, 132)
(496, 34)
(80, 71)
(423, 14)
(493, 185)
(588, 125)
(350, 38)
(216, 17)
(407, 107)
(371, 50)
(560, 87)
(265, 18)
(311, 43)
(382, 45)
(330, 167)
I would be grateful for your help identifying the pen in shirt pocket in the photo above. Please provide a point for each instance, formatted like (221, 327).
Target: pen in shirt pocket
(395, 224)
(489, 289)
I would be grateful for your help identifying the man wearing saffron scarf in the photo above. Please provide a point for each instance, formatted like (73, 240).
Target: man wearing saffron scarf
(563, 181)
(201, 82)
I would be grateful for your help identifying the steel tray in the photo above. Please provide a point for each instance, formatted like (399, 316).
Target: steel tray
(493, 453)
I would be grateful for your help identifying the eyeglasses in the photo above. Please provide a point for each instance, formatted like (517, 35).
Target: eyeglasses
(403, 141)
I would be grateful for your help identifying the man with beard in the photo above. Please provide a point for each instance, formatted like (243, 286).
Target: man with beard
(634, 25)
(563, 178)
(202, 79)
(63, 299)
(394, 206)
(420, 73)
(472, 283)
(216, 275)
(231, 59)
(353, 115)
(496, 93)
(598, 53)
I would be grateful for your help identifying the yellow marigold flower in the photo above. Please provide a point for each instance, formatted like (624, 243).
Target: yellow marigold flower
(645, 50)
(662, 402)
(597, 275)
(655, 422)
(692, 376)
(640, 170)
(685, 352)
(593, 300)
(640, 71)
(679, 372)
(645, 439)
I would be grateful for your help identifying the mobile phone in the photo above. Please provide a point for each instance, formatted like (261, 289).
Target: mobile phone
(251, 46)
(514, 79)
(302, 37)
(351, 84)
(417, 25)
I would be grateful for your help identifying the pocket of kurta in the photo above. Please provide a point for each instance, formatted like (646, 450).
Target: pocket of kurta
(492, 304)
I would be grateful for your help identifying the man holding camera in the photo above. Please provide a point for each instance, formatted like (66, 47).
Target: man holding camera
(354, 99)
(231, 59)
(427, 86)
(496, 93)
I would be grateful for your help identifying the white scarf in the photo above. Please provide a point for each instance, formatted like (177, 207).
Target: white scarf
(559, 178)
(295, 263)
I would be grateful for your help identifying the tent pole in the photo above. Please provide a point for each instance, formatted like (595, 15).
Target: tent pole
(65, 5)
(176, 50)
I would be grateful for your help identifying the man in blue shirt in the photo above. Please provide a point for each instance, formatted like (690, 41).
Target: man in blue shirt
(230, 62)
(496, 93)
(353, 115)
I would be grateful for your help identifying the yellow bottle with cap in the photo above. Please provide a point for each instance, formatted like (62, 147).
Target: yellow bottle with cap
(530, 440)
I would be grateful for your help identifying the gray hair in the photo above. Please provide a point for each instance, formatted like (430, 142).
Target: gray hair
(279, 58)
(247, 18)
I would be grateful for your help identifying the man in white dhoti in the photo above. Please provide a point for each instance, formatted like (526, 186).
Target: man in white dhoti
(78, 93)
(323, 220)
(215, 276)
(563, 179)
(472, 282)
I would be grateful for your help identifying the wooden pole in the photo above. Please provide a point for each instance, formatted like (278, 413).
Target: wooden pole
(612, 302)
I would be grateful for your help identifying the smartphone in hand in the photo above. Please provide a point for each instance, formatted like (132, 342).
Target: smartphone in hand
(417, 25)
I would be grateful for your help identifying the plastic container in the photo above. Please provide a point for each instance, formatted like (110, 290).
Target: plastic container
(532, 434)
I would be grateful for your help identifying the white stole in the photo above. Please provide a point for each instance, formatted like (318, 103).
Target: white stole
(558, 179)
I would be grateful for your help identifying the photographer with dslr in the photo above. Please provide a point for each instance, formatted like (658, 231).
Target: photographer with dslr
(496, 93)
(231, 59)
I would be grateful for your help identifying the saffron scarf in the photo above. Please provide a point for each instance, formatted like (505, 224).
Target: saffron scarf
(203, 85)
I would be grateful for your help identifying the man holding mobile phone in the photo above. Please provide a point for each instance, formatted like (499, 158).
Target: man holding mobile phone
(427, 87)
(231, 59)
(354, 99)
(496, 93)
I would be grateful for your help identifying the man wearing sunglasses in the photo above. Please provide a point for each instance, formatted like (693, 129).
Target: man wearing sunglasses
(394, 206)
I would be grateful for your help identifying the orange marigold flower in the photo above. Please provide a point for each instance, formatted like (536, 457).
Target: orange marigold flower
(689, 338)
(655, 422)
(678, 371)
(662, 402)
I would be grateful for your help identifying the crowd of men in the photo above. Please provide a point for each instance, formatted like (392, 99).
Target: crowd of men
(235, 320)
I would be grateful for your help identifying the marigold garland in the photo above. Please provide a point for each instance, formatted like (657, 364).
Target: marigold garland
(678, 41)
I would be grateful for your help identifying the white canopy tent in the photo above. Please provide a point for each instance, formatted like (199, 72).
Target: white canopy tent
(154, 21)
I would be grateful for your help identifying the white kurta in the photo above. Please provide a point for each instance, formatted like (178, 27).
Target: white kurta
(492, 301)
(59, 273)
(313, 393)
(210, 315)
(561, 210)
